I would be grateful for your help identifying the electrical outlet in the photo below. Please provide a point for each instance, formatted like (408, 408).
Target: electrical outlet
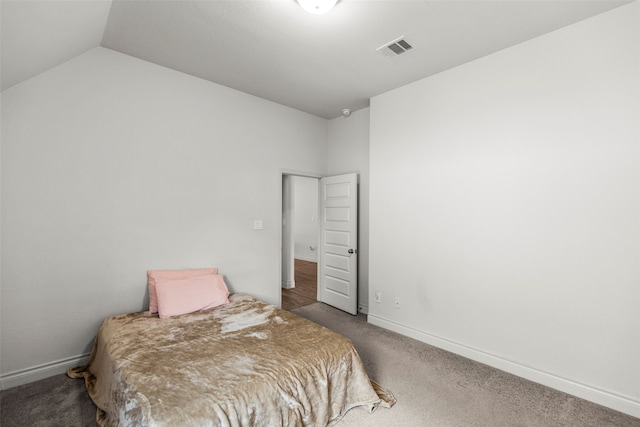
(396, 303)
(378, 297)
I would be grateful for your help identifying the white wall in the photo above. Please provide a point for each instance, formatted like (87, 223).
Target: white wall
(112, 166)
(348, 145)
(505, 209)
(288, 263)
(305, 218)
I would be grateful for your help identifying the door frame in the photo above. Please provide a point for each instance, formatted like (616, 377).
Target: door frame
(289, 172)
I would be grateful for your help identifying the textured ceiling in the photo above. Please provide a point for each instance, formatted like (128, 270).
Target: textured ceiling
(273, 49)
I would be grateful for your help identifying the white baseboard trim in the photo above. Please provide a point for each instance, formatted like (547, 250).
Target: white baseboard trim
(364, 309)
(625, 404)
(290, 284)
(304, 258)
(39, 372)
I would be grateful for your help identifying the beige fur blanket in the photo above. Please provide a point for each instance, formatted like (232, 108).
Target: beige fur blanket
(244, 364)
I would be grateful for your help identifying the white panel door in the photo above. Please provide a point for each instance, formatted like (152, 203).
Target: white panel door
(338, 261)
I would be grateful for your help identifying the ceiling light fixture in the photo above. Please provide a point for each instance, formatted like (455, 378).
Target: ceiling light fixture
(317, 7)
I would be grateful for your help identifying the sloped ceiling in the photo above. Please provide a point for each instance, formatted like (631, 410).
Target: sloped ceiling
(273, 49)
(38, 35)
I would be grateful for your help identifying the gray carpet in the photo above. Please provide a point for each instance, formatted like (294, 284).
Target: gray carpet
(438, 388)
(433, 388)
(57, 401)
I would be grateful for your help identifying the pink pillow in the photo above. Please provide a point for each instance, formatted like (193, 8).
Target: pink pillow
(182, 296)
(155, 276)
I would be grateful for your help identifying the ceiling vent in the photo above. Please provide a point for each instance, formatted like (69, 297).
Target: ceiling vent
(395, 47)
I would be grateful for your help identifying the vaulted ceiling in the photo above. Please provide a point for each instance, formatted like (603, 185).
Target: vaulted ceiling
(273, 49)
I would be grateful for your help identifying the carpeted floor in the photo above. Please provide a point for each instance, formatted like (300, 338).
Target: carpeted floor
(438, 388)
(57, 401)
(433, 388)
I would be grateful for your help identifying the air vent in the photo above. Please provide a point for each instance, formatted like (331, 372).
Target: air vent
(395, 47)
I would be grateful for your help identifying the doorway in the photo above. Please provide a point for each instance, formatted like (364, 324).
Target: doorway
(299, 241)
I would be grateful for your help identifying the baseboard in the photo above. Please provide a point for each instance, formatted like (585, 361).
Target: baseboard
(289, 284)
(304, 258)
(606, 398)
(364, 309)
(39, 372)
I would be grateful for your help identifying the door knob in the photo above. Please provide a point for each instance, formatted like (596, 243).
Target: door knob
(353, 251)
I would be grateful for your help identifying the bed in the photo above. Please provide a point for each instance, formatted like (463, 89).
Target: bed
(244, 363)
